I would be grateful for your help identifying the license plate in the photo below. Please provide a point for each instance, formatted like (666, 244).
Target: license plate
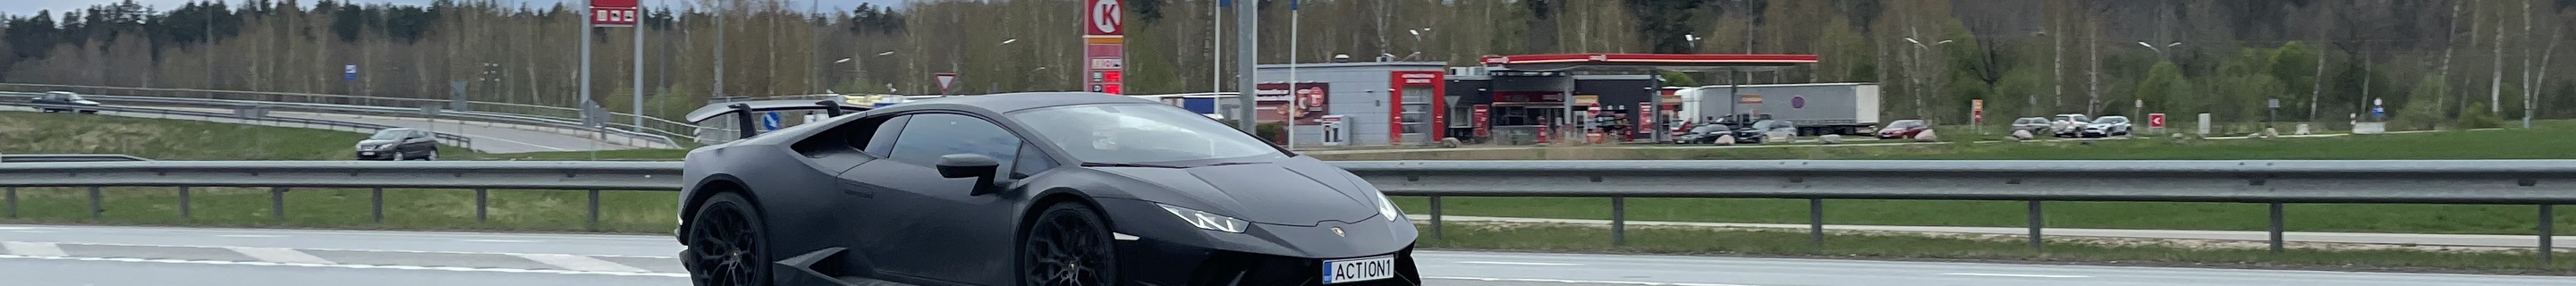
(366, 153)
(1359, 269)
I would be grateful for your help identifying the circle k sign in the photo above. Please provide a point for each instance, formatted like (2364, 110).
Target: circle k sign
(1104, 18)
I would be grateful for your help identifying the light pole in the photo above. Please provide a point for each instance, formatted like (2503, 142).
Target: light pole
(2160, 52)
(1916, 69)
(1417, 42)
(1693, 40)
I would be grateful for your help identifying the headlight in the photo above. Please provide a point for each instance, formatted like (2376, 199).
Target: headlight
(1205, 220)
(1387, 209)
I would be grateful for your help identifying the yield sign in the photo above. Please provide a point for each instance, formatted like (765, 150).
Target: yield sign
(946, 80)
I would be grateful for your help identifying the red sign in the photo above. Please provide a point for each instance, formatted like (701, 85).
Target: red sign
(1273, 102)
(2155, 120)
(1481, 114)
(1103, 18)
(946, 79)
(614, 13)
(1645, 115)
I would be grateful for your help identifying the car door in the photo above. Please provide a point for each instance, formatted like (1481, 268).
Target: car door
(419, 142)
(929, 227)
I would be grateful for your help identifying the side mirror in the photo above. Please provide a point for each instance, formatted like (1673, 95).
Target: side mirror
(967, 165)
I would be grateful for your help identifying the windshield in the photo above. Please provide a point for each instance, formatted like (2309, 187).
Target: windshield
(1140, 133)
(390, 134)
(1905, 124)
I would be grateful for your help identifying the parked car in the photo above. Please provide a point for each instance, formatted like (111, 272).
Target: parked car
(63, 101)
(1761, 130)
(2036, 125)
(1703, 134)
(1902, 129)
(2107, 126)
(397, 144)
(2068, 125)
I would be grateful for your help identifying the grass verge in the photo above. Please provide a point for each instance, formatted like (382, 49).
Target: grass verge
(28, 132)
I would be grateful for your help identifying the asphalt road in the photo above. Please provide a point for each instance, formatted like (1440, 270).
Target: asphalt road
(99, 255)
(488, 137)
(2462, 240)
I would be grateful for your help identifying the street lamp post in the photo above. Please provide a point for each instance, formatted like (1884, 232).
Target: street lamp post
(2160, 52)
(1916, 69)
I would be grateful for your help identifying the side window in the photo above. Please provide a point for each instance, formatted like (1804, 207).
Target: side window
(928, 136)
(1031, 162)
(880, 141)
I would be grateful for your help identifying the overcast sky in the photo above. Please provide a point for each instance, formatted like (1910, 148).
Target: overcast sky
(24, 7)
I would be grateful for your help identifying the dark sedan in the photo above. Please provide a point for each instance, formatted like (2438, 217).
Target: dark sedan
(398, 144)
(1031, 189)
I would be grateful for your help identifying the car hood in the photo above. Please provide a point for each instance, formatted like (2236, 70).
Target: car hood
(1290, 192)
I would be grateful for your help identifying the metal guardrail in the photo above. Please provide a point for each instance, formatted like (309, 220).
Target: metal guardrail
(458, 140)
(660, 135)
(2542, 183)
(56, 158)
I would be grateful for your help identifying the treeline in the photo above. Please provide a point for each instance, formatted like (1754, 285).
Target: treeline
(2432, 61)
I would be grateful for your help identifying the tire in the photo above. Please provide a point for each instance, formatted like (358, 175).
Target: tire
(1068, 244)
(728, 242)
(433, 155)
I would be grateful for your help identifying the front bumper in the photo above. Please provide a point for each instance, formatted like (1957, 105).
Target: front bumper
(375, 155)
(1150, 262)
(1165, 251)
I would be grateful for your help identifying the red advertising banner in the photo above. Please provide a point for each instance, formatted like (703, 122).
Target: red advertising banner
(614, 13)
(1272, 102)
(1482, 114)
(1103, 18)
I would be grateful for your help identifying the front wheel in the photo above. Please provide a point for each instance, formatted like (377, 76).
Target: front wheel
(433, 155)
(1068, 244)
(726, 244)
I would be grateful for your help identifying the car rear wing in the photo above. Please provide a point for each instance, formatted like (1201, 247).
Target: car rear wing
(747, 113)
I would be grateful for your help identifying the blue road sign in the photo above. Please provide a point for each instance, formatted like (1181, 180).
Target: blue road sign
(349, 72)
(769, 121)
(2378, 111)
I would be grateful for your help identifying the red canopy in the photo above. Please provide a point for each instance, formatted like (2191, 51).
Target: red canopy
(1553, 62)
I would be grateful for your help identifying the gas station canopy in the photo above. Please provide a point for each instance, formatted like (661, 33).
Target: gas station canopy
(1681, 62)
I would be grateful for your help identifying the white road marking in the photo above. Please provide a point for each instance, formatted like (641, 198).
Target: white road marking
(498, 240)
(352, 266)
(580, 263)
(281, 255)
(1582, 281)
(36, 231)
(32, 248)
(2016, 275)
(249, 235)
(15, 228)
(384, 250)
(1518, 263)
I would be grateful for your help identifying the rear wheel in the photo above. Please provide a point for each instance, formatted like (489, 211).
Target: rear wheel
(726, 243)
(1067, 244)
(433, 155)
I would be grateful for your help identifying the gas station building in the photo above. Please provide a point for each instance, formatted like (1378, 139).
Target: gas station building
(1520, 99)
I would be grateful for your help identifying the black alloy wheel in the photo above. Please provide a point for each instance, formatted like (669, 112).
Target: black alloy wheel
(726, 239)
(1067, 245)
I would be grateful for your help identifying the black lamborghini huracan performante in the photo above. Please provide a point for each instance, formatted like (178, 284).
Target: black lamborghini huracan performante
(1031, 189)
